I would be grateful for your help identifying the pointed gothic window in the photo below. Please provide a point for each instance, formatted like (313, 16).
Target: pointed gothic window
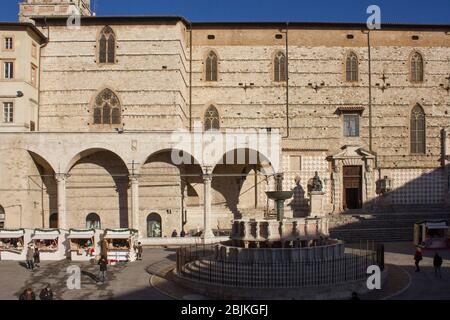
(418, 129)
(107, 108)
(416, 67)
(351, 67)
(211, 121)
(107, 46)
(211, 67)
(280, 67)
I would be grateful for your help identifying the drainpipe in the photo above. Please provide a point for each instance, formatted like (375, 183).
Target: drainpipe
(40, 71)
(287, 82)
(190, 76)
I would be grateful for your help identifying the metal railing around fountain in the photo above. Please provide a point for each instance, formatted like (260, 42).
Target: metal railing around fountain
(197, 263)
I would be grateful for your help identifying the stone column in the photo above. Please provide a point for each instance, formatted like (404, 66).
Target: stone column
(61, 199)
(207, 231)
(134, 180)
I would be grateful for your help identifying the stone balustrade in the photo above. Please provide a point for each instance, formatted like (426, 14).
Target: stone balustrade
(301, 229)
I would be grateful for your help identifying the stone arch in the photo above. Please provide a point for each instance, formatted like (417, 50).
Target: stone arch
(97, 181)
(93, 221)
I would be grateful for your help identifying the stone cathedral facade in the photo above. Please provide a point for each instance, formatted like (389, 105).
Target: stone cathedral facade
(89, 110)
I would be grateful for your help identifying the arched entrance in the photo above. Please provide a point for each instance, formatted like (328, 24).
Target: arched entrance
(93, 221)
(154, 227)
(53, 221)
(2, 218)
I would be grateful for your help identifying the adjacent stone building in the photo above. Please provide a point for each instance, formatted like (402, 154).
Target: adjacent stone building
(367, 109)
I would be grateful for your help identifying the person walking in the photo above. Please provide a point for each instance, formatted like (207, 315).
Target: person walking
(27, 294)
(46, 293)
(417, 258)
(437, 263)
(103, 263)
(139, 250)
(37, 257)
(30, 257)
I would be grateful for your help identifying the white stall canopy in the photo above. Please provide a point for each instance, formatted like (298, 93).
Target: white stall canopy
(42, 235)
(11, 234)
(117, 236)
(436, 225)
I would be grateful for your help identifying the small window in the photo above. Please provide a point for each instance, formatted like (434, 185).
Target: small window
(9, 43)
(211, 67)
(34, 50)
(33, 75)
(211, 36)
(8, 70)
(8, 112)
(416, 67)
(211, 120)
(2, 218)
(107, 109)
(351, 67)
(53, 221)
(351, 125)
(107, 46)
(418, 128)
(93, 221)
(32, 126)
(280, 67)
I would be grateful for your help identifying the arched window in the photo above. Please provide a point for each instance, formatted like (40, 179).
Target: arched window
(154, 228)
(211, 67)
(93, 221)
(416, 67)
(2, 218)
(279, 64)
(107, 108)
(53, 221)
(418, 129)
(107, 46)
(351, 67)
(211, 119)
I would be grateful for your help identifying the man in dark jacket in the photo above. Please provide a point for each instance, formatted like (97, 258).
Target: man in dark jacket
(103, 263)
(138, 248)
(46, 293)
(437, 263)
(27, 294)
(418, 258)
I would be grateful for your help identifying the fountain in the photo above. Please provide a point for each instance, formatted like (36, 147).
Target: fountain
(279, 196)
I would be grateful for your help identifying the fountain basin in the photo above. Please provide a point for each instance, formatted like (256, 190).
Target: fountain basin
(279, 195)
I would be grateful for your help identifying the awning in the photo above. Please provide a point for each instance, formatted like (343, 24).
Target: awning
(45, 236)
(117, 236)
(10, 235)
(80, 236)
(438, 225)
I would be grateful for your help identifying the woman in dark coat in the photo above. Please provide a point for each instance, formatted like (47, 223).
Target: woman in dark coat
(103, 263)
(37, 257)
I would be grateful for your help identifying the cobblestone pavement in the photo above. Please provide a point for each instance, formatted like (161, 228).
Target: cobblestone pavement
(133, 280)
(124, 281)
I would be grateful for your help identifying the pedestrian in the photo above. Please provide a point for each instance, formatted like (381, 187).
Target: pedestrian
(37, 257)
(437, 263)
(417, 258)
(46, 293)
(27, 294)
(103, 263)
(138, 248)
(174, 233)
(354, 296)
(30, 257)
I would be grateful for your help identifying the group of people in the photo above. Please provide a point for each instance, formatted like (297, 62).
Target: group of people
(437, 262)
(45, 294)
(33, 257)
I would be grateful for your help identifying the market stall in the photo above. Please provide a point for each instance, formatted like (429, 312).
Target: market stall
(119, 245)
(12, 244)
(50, 242)
(84, 244)
(431, 234)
